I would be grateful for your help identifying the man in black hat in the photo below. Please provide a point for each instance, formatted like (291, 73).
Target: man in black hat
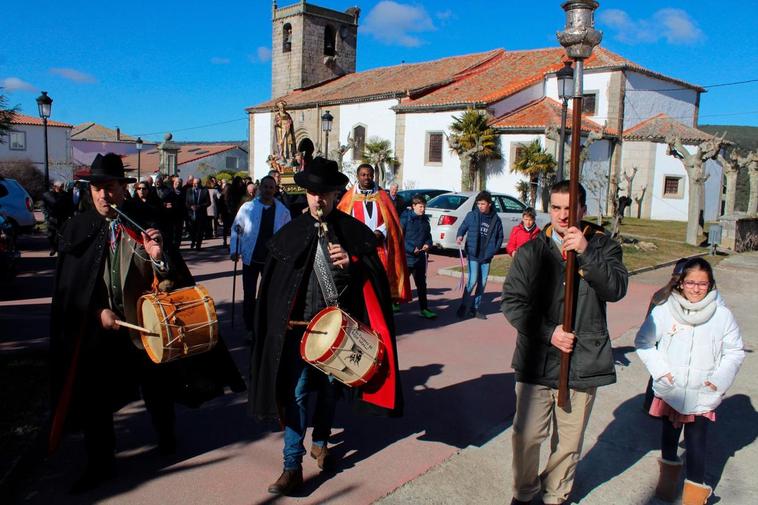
(290, 290)
(104, 265)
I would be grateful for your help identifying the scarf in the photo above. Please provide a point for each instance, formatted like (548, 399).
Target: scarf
(693, 313)
(530, 228)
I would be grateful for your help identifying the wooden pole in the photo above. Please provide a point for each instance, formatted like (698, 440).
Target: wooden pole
(569, 292)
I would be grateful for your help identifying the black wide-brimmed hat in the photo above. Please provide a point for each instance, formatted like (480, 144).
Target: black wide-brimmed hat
(107, 168)
(321, 175)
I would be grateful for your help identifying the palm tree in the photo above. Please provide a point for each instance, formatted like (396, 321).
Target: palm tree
(473, 140)
(522, 188)
(378, 152)
(533, 162)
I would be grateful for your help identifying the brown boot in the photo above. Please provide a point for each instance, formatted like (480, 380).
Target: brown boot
(668, 479)
(287, 483)
(695, 494)
(322, 456)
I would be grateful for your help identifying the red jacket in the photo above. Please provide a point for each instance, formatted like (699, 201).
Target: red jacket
(520, 236)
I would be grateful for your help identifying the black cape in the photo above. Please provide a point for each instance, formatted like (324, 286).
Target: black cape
(291, 257)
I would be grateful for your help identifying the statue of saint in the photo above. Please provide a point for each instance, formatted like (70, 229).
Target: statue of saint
(284, 130)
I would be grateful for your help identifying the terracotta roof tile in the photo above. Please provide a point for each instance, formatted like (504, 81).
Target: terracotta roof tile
(97, 132)
(149, 158)
(657, 128)
(37, 121)
(540, 114)
(476, 79)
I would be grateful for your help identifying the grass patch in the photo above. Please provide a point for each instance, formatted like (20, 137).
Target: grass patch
(24, 396)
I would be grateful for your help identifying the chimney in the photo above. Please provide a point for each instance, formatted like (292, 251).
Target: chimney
(118, 133)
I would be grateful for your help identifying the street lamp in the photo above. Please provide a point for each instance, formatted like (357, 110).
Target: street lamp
(326, 127)
(45, 104)
(138, 145)
(565, 78)
(579, 39)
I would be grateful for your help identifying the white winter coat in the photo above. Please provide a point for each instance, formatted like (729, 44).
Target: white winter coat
(249, 219)
(711, 351)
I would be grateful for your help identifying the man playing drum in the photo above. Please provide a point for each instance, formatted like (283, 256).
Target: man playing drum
(290, 292)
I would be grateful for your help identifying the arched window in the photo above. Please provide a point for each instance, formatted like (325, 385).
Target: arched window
(359, 139)
(330, 37)
(287, 38)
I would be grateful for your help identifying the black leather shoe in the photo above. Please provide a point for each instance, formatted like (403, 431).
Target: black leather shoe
(520, 502)
(92, 477)
(287, 483)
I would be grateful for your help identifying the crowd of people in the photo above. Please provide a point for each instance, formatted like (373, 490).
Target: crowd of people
(356, 249)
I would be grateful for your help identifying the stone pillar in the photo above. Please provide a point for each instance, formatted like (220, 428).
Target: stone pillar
(168, 153)
(752, 170)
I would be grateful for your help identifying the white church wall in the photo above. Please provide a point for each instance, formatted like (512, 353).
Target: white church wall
(261, 144)
(647, 97)
(670, 207)
(517, 100)
(377, 117)
(595, 173)
(417, 173)
(593, 83)
(501, 179)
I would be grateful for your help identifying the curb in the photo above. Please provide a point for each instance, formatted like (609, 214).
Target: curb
(452, 272)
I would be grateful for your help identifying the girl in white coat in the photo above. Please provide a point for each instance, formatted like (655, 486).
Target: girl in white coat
(698, 353)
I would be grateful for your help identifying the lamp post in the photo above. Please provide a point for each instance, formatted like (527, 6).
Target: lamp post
(565, 78)
(138, 145)
(45, 104)
(578, 38)
(326, 127)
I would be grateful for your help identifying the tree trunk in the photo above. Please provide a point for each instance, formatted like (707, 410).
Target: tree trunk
(731, 192)
(693, 206)
(465, 174)
(533, 181)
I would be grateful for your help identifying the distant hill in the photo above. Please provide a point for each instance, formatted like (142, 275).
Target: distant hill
(746, 138)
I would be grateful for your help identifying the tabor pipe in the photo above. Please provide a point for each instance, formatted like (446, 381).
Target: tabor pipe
(131, 221)
(569, 293)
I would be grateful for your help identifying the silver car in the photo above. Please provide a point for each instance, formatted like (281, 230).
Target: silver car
(16, 205)
(446, 213)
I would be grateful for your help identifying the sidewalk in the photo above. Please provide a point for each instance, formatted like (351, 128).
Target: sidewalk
(621, 445)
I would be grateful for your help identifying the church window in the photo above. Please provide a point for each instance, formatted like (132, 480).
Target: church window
(359, 142)
(287, 38)
(232, 163)
(433, 148)
(672, 187)
(329, 41)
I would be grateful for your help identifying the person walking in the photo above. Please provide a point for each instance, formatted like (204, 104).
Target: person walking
(533, 303)
(256, 222)
(692, 347)
(483, 231)
(418, 240)
(197, 202)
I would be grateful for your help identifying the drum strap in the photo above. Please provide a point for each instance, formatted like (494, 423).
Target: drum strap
(322, 267)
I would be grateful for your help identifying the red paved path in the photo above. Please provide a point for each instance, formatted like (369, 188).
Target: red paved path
(458, 391)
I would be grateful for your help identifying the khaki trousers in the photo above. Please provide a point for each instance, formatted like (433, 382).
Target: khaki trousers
(536, 411)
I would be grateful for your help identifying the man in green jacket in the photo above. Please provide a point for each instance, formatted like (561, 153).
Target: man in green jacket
(533, 303)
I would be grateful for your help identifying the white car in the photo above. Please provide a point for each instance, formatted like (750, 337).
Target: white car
(446, 213)
(16, 205)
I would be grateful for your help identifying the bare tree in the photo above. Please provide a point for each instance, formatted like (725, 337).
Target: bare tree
(593, 179)
(731, 167)
(694, 165)
(638, 199)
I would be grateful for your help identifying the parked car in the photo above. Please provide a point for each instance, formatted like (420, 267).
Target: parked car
(446, 213)
(428, 194)
(16, 205)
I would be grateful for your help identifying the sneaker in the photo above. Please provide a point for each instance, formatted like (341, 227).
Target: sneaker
(395, 308)
(428, 314)
(479, 315)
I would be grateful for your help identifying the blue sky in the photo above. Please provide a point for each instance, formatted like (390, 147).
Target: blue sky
(186, 66)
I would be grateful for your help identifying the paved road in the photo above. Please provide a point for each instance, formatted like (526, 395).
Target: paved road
(451, 447)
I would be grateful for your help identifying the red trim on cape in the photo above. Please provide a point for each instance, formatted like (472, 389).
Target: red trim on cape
(381, 390)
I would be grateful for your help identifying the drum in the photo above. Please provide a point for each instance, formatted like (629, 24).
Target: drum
(342, 347)
(182, 323)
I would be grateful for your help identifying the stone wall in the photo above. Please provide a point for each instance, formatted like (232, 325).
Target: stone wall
(642, 156)
(739, 234)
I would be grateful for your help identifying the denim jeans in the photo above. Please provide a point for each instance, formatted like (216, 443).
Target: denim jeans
(306, 380)
(477, 276)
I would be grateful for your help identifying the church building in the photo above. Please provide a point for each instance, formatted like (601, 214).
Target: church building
(631, 108)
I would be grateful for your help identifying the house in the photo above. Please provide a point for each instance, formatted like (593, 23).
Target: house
(413, 105)
(26, 141)
(197, 160)
(90, 139)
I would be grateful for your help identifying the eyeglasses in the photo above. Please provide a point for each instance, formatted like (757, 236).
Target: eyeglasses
(142, 188)
(696, 284)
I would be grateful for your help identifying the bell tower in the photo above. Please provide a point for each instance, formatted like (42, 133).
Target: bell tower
(310, 45)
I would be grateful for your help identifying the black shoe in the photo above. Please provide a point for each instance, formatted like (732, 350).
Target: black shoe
(167, 445)
(479, 315)
(461, 312)
(53, 253)
(288, 482)
(92, 477)
(520, 502)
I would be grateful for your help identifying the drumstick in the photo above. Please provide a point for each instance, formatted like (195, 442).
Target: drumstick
(135, 327)
(298, 323)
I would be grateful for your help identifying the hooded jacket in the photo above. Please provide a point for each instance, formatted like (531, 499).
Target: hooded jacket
(475, 249)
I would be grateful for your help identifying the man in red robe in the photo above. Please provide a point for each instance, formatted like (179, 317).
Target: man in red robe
(372, 206)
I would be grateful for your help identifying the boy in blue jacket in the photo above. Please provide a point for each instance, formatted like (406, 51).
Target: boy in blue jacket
(484, 236)
(418, 241)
